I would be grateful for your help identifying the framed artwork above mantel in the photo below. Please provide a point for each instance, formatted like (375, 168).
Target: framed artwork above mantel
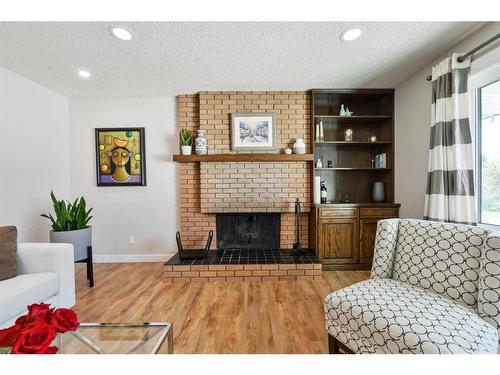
(253, 131)
(120, 156)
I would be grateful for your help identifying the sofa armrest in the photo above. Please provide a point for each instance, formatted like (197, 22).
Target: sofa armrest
(489, 283)
(50, 257)
(385, 247)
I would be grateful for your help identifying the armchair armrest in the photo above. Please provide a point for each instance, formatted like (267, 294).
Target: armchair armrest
(50, 257)
(385, 247)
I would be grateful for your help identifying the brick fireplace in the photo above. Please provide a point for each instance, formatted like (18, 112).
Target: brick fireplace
(209, 188)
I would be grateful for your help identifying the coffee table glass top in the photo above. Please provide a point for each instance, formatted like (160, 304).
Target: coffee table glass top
(109, 338)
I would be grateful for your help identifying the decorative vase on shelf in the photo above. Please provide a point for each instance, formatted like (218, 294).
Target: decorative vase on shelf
(201, 143)
(319, 163)
(342, 110)
(378, 193)
(299, 147)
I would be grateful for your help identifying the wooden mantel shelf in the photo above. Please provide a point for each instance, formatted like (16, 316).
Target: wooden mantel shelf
(243, 158)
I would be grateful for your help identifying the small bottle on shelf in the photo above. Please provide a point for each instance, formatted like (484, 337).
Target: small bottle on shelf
(323, 192)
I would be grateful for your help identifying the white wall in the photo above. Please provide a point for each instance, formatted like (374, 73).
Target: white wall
(413, 100)
(34, 153)
(148, 212)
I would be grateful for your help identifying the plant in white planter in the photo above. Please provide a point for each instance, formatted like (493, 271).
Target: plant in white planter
(186, 138)
(71, 225)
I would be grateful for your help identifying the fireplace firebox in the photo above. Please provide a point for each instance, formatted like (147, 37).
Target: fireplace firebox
(252, 231)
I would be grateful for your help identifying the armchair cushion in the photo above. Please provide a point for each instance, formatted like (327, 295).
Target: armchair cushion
(442, 257)
(389, 316)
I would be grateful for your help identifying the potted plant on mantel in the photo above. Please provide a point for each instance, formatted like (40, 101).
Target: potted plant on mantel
(186, 138)
(71, 225)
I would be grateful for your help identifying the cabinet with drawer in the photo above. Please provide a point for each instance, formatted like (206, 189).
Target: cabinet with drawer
(343, 235)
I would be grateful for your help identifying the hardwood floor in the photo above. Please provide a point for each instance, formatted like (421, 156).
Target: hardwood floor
(215, 317)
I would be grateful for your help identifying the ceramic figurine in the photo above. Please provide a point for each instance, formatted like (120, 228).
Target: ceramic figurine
(372, 138)
(329, 164)
(288, 151)
(347, 112)
(348, 135)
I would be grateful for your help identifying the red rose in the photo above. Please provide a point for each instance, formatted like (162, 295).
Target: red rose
(52, 350)
(35, 339)
(36, 311)
(64, 320)
(8, 336)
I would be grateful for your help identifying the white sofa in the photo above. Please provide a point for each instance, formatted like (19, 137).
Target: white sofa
(46, 273)
(434, 288)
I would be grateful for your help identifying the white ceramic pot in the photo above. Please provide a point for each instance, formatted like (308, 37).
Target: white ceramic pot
(186, 150)
(299, 147)
(80, 239)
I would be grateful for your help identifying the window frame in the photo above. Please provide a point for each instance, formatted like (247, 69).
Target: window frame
(477, 81)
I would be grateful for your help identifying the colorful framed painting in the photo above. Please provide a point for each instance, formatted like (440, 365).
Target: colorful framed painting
(120, 157)
(253, 131)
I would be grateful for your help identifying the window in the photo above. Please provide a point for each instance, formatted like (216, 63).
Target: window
(488, 152)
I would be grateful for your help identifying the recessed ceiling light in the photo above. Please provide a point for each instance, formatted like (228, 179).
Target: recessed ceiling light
(350, 34)
(84, 73)
(120, 33)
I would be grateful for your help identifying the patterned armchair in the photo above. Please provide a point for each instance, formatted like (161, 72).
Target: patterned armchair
(434, 288)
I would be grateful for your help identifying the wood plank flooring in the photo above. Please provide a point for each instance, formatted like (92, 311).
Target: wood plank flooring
(215, 317)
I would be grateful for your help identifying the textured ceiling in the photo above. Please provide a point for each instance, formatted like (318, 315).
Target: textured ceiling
(168, 58)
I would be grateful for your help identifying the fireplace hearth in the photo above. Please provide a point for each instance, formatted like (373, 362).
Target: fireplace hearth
(248, 248)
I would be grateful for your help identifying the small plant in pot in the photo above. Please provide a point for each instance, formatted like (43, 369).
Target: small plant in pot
(186, 138)
(70, 224)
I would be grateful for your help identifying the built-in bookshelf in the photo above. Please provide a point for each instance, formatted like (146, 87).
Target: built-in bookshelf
(353, 168)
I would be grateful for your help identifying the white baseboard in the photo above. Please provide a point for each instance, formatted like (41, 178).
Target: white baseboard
(131, 258)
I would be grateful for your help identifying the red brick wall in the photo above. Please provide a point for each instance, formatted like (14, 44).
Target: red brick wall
(206, 188)
(292, 110)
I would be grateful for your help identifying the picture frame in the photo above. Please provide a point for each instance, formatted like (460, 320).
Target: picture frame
(120, 156)
(253, 131)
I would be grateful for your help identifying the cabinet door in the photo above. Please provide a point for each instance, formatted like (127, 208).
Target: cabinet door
(367, 232)
(338, 240)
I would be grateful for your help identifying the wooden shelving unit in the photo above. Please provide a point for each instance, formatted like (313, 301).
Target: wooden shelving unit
(243, 158)
(373, 114)
(343, 234)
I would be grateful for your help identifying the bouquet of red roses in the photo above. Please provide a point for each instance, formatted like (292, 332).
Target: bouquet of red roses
(34, 332)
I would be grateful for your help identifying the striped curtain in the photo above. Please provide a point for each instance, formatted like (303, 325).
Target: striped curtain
(450, 179)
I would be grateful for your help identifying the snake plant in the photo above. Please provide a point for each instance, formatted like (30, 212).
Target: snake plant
(186, 138)
(69, 216)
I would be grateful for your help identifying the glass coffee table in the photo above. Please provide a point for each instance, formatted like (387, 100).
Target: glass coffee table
(112, 338)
